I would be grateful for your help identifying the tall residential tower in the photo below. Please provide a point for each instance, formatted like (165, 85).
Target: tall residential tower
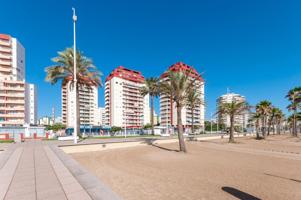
(31, 106)
(88, 102)
(240, 120)
(12, 82)
(168, 106)
(124, 105)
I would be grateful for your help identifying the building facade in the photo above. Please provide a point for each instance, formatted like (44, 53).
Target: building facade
(31, 106)
(168, 110)
(124, 105)
(12, 82)
(45, 121)
(88, 102)
(100, 116)
(240, 120)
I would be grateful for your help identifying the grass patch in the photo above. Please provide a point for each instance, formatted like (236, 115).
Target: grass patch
(52, 139)
(6, 141)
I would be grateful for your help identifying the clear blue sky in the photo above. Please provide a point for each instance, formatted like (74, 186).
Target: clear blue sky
(251, 46)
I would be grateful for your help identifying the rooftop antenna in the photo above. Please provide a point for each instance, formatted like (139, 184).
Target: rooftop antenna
(228, 90)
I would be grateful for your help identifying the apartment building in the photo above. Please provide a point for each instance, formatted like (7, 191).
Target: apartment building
(88, 102)
(31, 106)
(12, 82)
(240, 120)
(100, 116)
(124, 105)
(168, 106)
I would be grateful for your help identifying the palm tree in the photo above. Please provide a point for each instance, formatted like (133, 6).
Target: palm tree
(151, 87)
(279, 117)
(233, 109)
(271, 122)
(177, 87)
(193, 100)
(256, 119)
(264, 109)
(87, 74)
(294, 96)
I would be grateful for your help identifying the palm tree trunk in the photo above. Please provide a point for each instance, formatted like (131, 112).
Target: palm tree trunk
(231, 138)
(295, 123)
(257, 132)
(263, 127)
(180, 129)
(269, 126)
(152, 115)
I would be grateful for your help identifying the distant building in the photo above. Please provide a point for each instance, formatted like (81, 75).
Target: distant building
(168, 108)
(12, 82)
(240, 120)
(45, 121)
(156, 118)
(31, 107)
(88, 102)
(100, 116)
(124, 105)
(58, 120)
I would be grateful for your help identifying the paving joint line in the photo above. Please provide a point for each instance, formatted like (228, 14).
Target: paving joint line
(34, 168)
(14, 171)
(54, 171)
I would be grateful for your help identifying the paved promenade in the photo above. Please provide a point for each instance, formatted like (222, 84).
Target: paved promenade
(37, 170)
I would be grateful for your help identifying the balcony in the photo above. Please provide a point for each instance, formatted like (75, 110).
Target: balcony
(6, 63)
(4, 69)
(10, 101)
(12, 115)
(12, 122)
(5, 56)
(13, 88)
(5, 49)
(5, 43)
(12, 95)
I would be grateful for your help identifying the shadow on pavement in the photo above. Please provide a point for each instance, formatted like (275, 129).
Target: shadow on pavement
(239, 194)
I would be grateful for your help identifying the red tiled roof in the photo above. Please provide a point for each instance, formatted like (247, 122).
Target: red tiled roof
(4, 37)
(180, 66)
(127, 74)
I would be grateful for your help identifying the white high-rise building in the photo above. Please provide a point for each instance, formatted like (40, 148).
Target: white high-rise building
(168, 108)
(12, 82)
(124, 105)
(31, 106)
(88, 102)
(100, 116)
(240, 120)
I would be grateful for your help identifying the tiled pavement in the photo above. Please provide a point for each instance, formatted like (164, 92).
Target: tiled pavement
(36, 170)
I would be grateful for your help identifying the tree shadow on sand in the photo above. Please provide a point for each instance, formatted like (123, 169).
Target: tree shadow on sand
(291, 179)
(239, 194)
(150, 141)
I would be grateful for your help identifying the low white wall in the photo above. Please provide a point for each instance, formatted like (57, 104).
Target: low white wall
(118, 145)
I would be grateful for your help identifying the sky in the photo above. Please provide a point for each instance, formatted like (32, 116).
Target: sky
(252, 47)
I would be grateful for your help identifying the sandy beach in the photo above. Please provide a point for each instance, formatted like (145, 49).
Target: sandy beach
(250, 169)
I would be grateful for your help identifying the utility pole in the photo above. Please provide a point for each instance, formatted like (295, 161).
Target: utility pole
(75, 133)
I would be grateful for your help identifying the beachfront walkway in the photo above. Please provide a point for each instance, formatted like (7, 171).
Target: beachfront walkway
(36, 170)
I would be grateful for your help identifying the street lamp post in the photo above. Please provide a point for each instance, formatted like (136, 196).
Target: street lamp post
(74, 77)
